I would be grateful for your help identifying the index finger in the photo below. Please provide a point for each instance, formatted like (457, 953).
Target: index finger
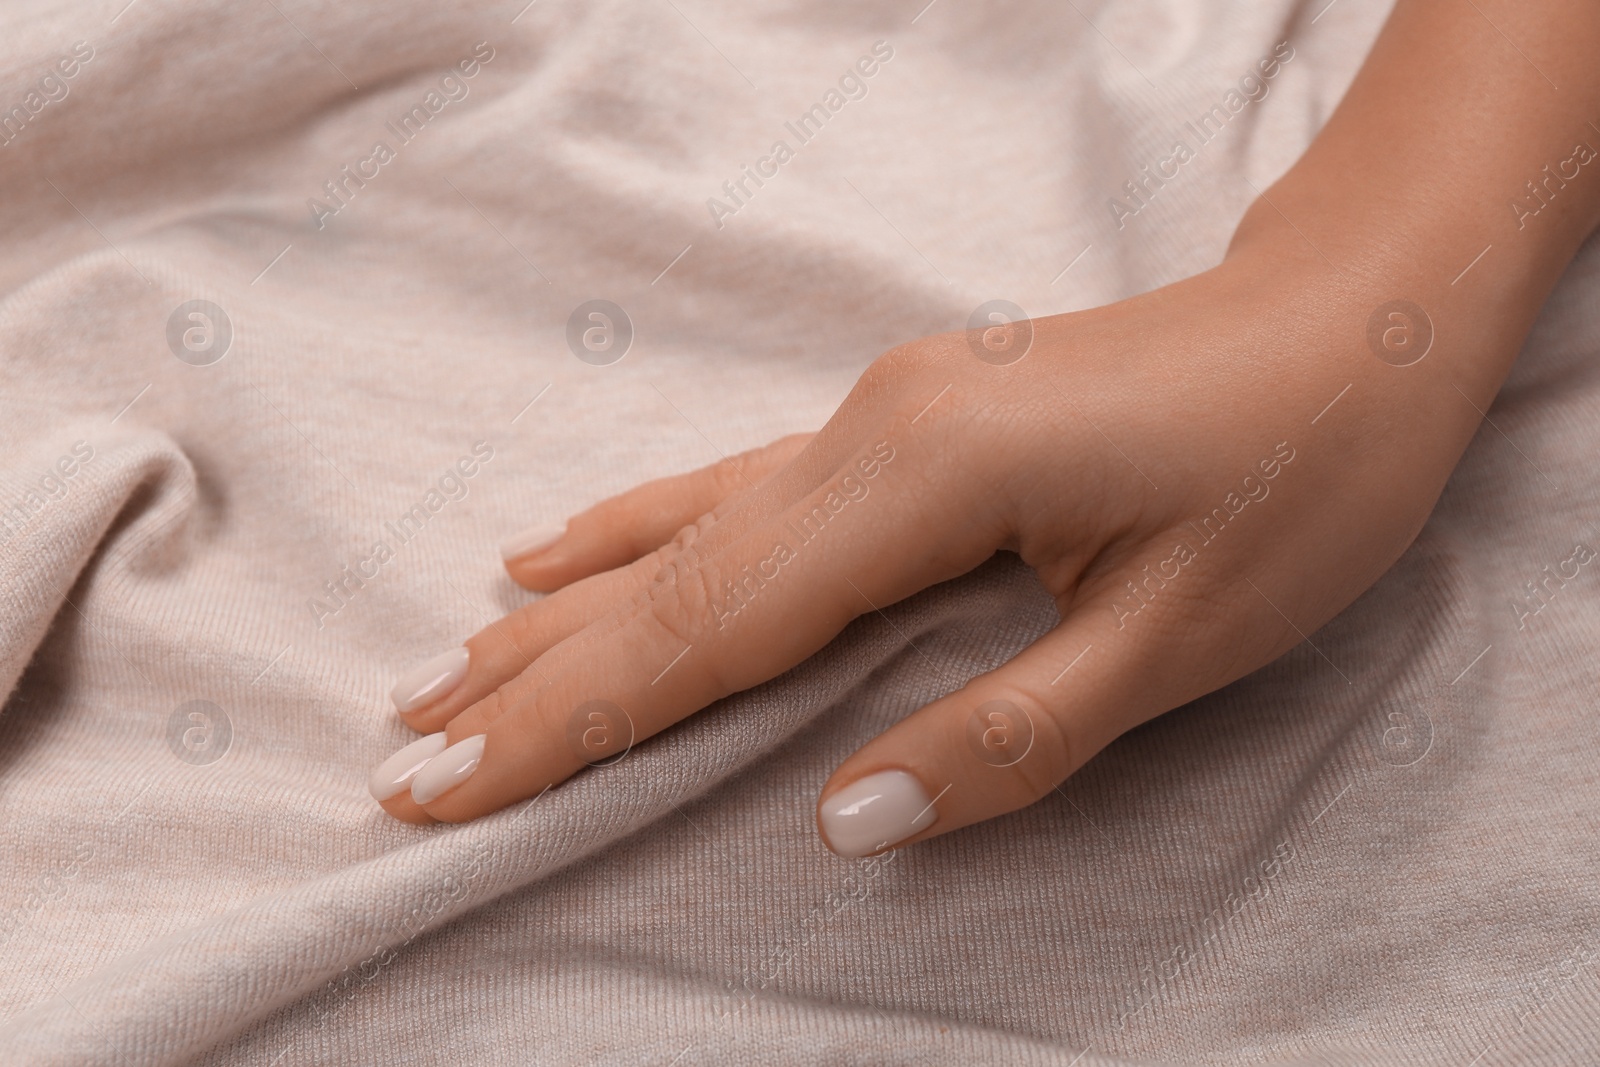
(727, 606)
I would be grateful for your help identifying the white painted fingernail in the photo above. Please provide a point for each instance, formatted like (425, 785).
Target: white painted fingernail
(427, 682)
(393, 776)
(531, 540)
(447, 770)
(875, 812)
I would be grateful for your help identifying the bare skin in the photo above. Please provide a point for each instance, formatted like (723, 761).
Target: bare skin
(1211, 385)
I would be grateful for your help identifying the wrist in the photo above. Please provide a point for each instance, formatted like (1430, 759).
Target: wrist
(1383, 362)
(1478, 282)
(1450, 176)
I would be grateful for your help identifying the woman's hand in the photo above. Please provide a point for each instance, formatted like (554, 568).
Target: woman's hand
(1169, 465)
(1201, 475)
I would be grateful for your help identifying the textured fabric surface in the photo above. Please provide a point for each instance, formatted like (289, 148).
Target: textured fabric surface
(1379, 849)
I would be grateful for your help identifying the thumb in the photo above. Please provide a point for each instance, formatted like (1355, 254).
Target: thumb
(1004, 740)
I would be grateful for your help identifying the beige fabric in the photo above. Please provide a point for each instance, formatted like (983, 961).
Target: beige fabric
(1397, 869)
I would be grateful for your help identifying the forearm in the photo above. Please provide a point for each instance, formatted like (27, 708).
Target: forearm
(1468, 130)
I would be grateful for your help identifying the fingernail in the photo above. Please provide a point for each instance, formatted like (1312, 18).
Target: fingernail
(875, 812)
(447, 770)
(427, 682)
(394, 774)
(531, 540)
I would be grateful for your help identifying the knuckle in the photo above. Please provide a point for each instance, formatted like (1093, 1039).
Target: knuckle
(730, 475)
(489, 709)
(932, 381)
(905, 362)
(679, 602)
(687, 540)
(522, 629)
(678, 588)
(654, 568)
(1046, 757)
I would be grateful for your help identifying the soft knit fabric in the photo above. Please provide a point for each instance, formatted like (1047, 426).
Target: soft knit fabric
(1380, 850)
